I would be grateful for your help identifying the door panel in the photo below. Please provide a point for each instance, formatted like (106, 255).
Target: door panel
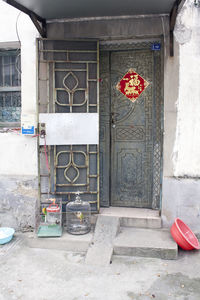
(131, 133)
(135, 137)
(68, 95)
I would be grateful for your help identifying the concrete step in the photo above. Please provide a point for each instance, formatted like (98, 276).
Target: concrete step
(156, 243)
(101, 248)
(67, 242)
(134, 217)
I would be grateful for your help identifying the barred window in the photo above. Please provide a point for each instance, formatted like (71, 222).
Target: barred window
(10, 87)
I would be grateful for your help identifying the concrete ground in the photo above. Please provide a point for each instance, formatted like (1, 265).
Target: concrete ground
(44, 274)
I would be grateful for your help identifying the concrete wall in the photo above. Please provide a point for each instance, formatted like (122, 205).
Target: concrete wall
(18, 196)
(181, 197)
(18, 154)
(186, 150)
(108, 28)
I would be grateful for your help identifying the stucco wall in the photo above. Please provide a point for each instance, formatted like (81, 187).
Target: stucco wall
(186, 151)
(181, 187)
(181, 199)
(18, 196)
(18, 154)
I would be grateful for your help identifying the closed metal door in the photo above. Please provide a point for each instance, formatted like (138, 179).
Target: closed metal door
(69, 109)
(132, 131)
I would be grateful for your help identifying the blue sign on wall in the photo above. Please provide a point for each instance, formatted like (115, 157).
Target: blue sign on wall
(156, 46)
(30, 130)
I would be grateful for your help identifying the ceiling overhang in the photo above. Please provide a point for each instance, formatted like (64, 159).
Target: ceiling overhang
(46, 10)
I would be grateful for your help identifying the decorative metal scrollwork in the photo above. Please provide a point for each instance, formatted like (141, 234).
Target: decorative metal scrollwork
(70, 79)
(71, 165)
(70, 74)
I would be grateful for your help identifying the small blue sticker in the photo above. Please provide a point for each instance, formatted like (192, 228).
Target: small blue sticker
(29, 130)
(156, 46)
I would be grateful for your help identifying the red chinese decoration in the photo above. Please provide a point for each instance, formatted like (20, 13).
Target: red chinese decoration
(132, 85)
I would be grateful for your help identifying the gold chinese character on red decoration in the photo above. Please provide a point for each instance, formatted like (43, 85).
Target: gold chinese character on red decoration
(132, 85)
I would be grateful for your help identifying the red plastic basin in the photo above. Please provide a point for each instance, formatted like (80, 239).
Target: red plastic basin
(184, 236)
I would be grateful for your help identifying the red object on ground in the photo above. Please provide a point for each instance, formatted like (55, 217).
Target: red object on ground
(184, 236)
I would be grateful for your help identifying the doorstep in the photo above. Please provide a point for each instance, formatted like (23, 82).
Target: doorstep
(155, 243)
(134, 217)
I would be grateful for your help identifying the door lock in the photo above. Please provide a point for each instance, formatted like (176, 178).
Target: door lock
(42, 130)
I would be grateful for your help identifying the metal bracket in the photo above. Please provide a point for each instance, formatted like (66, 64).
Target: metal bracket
(39, 22)
(41, 26)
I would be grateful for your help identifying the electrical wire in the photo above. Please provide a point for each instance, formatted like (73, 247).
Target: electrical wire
(17, 61)
(13, 130)
(16, 27)
(45, 152)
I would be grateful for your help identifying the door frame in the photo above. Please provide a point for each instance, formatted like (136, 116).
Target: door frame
(47, 179)
(143, 44)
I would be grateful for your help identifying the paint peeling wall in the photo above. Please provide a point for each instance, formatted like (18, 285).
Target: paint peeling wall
(186, 158)
(18, 154)
(18, 201)
(181, 186)
(21, 159)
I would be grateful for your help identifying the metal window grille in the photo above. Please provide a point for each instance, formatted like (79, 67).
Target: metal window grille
(10, 86)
